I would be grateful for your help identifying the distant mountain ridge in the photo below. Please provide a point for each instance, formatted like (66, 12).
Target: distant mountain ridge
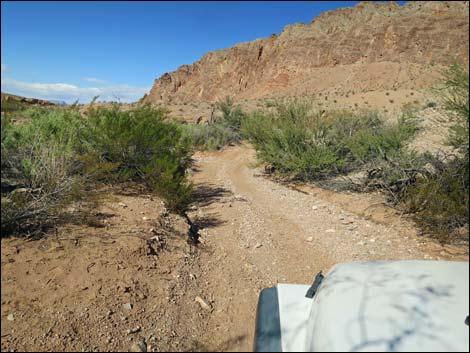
(13, 97)
(58, 102)
(374, 45)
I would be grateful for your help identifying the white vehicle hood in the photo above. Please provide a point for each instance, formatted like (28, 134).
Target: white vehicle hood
(391, 306)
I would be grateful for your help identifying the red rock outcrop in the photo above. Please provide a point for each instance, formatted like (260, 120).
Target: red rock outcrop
(372, 44)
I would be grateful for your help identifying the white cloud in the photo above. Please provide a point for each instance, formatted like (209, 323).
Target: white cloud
(70, 93)
(4, 68)
(93, 80)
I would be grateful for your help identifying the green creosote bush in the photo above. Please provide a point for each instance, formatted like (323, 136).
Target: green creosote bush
(40, 172)
(433, 188)
(220, 131)
(143, 146)
(440, 199)
(310, 144)
(60, 157)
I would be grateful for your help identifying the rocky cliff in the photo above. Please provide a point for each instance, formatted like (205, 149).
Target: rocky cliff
(370, 46)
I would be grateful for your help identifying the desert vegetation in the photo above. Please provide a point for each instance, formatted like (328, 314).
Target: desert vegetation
(309, 144)
(220, 131)
(300, 141)
(61, 156)
(439, 197)
(434, 188)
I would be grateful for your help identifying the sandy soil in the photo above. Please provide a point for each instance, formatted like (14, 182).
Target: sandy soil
(88, 288)
(117, 287)
(387, 102)
(262, 233)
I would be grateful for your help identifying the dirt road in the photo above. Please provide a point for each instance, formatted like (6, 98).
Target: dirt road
(259, 233)
(114, 286)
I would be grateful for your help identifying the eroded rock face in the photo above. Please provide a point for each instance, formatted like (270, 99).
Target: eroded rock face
(370, 44)
(33, 101)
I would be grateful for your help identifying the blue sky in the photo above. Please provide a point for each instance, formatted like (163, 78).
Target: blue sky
(69, 50)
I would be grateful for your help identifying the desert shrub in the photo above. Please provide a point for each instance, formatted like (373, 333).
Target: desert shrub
(140, 145)
(433, 188)
(221, 131)
(212, 136)
(309, 144)
(290, 148)
(440, 200)
(232, 115)
(59, 158)
(430, 104)
(374, 139)
(395, 171)
(456, 103)
(39, 171)
(11, 105)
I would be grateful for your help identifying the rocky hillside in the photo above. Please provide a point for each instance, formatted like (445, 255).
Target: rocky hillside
(367, 47)
(7, 97)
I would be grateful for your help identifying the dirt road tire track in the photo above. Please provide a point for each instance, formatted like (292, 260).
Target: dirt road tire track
(69, 290)
(262, 233)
